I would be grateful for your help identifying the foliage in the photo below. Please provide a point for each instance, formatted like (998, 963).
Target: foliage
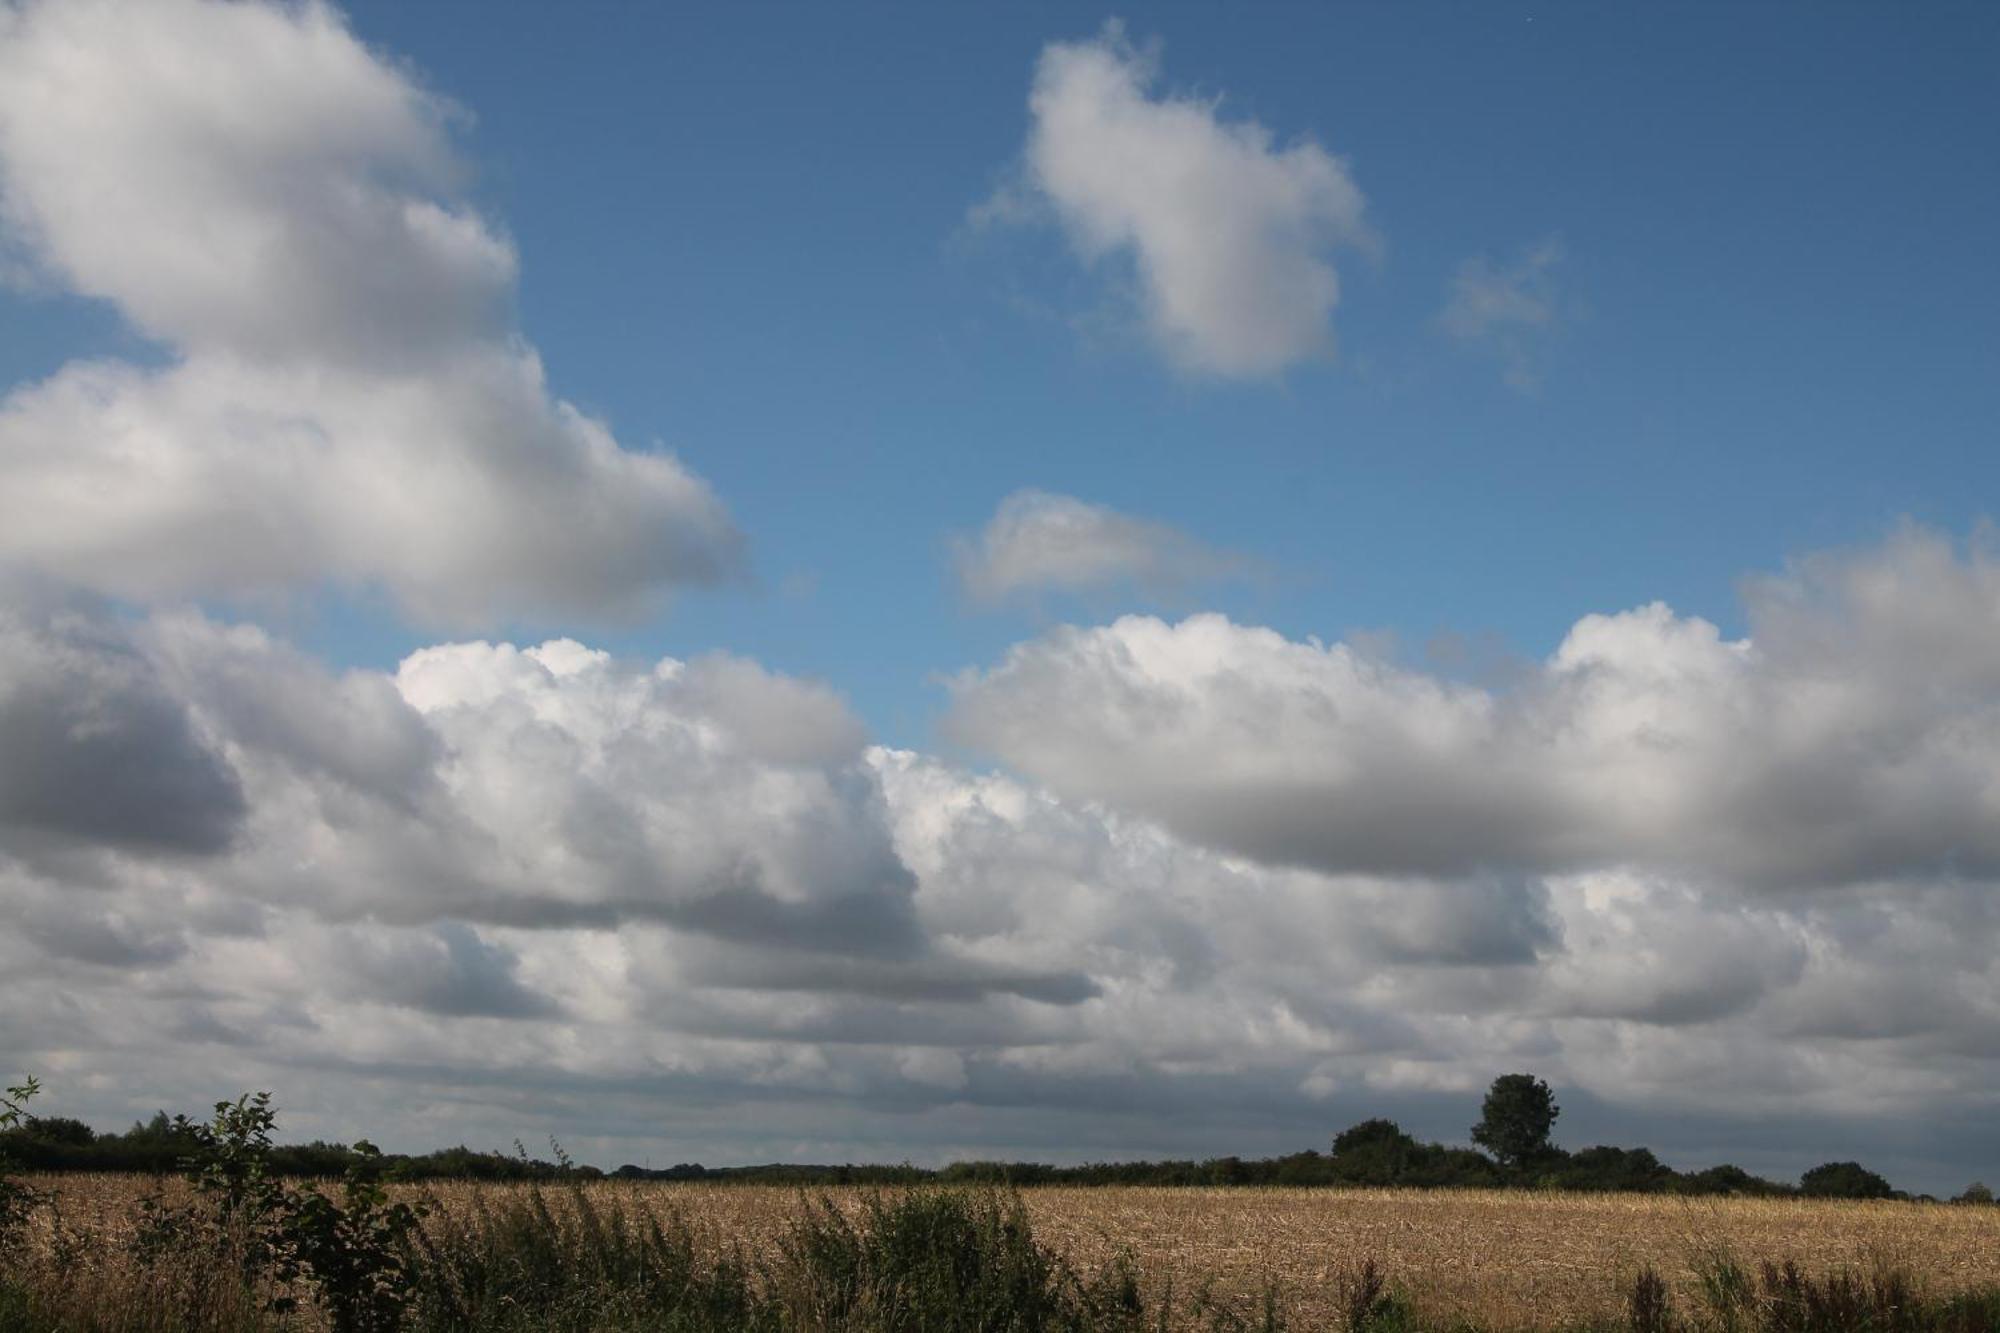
(1844, 1180)
(238, 1206)
(355, 1253)
(352, 1255)
(17, 1200)
(1728, 1179)
(158, 1147)
(1631, 1170)
(943, 1261)
(1515, 1119)
(1374, 1152)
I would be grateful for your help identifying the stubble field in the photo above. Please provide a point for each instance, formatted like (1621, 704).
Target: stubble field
(1502, 1259)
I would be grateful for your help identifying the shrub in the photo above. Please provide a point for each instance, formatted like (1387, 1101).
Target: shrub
(17, 1200)
(354, 1253)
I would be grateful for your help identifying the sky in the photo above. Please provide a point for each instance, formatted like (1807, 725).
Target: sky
(884, 583)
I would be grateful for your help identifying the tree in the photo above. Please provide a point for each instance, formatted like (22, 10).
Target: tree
(1844, 1180)
(1976, 1192)
(1374, 1152)
(61, 1129)
(1515, 1120)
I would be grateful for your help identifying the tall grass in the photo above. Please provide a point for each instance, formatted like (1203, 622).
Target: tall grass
(932, 1261)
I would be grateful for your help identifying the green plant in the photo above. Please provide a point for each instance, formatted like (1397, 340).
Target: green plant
(17, 1199)
(527, 1263)
(356, 1253)
(1366, 1303)
(1726, 1288)
(944, 1261)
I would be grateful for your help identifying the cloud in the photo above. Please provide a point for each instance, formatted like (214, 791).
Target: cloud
(1229, 234)
(345, 396)
(448, 970)
(1037, 542)
(1850, 738)
(683, 909)
(554, 784)
(1507, 311)
(96, 751)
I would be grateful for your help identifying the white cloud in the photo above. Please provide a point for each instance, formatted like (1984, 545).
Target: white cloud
(682, 908)
(1507, 310)
(347, 398)
(1038, 542)
(1228, 232)
(1852, 737)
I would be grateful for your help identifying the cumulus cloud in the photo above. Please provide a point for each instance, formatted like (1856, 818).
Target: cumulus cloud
(683, 909)
(1039, 542)
(346, 397)
(1851, 737)
(1228, 232)
(553, 784)
(1505, 310)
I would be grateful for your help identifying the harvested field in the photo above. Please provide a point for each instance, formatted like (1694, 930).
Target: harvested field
(1504, 1259)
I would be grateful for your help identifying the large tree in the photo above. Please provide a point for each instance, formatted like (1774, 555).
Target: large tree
(1515, 1121)
(1844, 1180)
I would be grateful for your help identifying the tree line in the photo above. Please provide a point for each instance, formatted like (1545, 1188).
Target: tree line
(163, 1145)
(1513, 1138)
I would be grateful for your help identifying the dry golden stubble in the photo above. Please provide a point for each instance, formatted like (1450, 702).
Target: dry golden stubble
(1505, 1259)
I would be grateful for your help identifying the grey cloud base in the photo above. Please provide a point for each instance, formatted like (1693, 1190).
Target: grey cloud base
(683, 910)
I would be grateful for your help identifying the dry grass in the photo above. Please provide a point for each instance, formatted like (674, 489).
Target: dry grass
(1504, 1259)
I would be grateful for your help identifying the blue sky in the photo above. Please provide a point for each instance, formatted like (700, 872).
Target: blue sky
(1104, 665)
(743, 234)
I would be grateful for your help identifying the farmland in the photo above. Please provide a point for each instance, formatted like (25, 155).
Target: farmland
(1497, 1259)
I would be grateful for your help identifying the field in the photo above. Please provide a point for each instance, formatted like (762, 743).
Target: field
(1500, 1259)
